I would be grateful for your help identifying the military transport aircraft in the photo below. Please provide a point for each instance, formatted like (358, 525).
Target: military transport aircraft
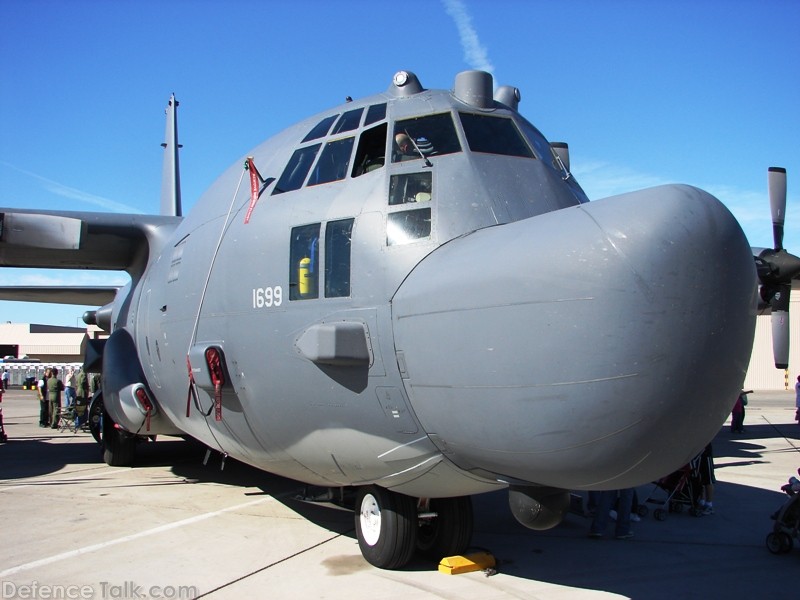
(410, 296)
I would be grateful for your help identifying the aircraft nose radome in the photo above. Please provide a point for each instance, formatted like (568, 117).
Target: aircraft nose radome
(598, 346)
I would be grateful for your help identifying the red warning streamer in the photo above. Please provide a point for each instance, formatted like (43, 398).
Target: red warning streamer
(255, 184)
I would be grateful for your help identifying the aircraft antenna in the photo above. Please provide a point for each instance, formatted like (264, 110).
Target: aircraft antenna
(170, 174)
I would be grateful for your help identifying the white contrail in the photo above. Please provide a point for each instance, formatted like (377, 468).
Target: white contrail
(474, 53)
(60, 189)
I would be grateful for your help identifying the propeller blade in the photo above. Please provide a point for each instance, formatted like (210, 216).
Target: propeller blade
(780, 326)
(780, 338)
(776, 179)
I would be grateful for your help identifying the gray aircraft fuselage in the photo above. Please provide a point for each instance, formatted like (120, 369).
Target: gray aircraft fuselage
(446, 321)
(411, 295)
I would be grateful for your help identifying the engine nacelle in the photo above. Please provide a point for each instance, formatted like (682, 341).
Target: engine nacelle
(537, 507)
(127, 398)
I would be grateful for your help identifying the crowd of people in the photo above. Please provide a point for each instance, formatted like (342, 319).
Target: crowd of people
(621, 505)
(54, 395)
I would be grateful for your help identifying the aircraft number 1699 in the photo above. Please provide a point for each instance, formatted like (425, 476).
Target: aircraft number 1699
(267, 297)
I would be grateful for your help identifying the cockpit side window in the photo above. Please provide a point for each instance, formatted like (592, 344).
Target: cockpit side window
(348, 121)
(295, 172)
(434, 135)
(408, 226)
(337, 258)
(320, 129)
(410, 187)
(371, 150)
(494, 135)
(333, 162)
(303, 261)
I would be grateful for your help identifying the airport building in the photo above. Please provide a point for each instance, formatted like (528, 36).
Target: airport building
(54, 345)
(27, 349)
(762, 374)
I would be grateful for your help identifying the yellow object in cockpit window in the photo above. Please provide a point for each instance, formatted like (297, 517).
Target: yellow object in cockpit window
(304, 283)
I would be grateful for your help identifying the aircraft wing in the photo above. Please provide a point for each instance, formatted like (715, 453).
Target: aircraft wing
(81, 296)
(80, 240)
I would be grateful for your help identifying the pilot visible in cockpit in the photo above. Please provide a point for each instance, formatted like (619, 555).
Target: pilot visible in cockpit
(409, 149)
(405, 149)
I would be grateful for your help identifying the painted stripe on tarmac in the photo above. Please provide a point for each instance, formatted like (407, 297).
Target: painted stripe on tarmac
(128, 538)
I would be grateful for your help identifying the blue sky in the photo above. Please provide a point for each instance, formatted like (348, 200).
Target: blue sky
(700, 92)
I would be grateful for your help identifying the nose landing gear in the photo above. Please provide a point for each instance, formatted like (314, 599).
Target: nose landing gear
(390, 526)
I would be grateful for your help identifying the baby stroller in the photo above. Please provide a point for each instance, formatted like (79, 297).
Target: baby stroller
(682, 488)
(787, 520)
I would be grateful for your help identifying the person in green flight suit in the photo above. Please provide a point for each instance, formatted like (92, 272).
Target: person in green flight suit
(54, 388)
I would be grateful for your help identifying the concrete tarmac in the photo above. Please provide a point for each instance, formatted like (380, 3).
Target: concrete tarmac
(173, 528)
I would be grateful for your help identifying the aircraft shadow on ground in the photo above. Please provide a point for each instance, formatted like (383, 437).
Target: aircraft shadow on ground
(286, 491)
(36, 456)
(652, 565)
(32, 457)
(658, 562)
(565, 555)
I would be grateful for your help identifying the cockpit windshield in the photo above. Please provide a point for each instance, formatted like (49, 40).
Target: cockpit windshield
(434, 135)
(494, 135)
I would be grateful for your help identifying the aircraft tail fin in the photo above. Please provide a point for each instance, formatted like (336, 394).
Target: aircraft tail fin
(171, 177)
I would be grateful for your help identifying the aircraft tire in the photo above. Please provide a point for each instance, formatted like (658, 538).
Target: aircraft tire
(386, 526)
(95, 412)
(450, 532)
(119, 447)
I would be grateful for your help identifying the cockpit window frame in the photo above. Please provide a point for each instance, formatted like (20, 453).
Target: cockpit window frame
(333, 162)
(492, 134)
(371, 150)
(297, 169)
(321, 129)
(349, 121)
(375, 113)
(433, 135)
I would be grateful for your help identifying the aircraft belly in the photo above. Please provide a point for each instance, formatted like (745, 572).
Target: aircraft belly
(590, 351)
